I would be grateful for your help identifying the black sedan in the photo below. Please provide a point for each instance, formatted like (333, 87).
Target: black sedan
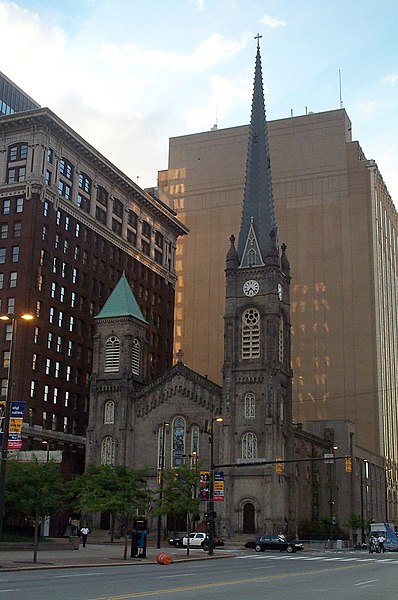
(274, 542)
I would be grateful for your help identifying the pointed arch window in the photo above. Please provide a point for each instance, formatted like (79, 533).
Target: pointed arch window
(251, 334)
(250, 406)
(108, 451)
(179, 431)
(280, 340)
(194, 444)
(249, 445)
(112, 354)
(109, 412)
(252, 257)
(136, 357)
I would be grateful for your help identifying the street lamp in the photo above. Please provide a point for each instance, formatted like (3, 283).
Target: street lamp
(48, 450)
(163, 430)
(211, 484)
(7, 412)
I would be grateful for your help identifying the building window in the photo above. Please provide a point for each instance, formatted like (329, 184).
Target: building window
(50, 155)
(16, 174)
(64, 189)
(48, 177)
(66, 168)
(4, 231)
(49, 339)
(33, 388)
(13, 279)
(67, 397)
(194, 444)
(100, 215)
(62, 294)
(84, 183)
(109, 412)
(68, 375)
(116, 227)
(2, 255)
(51, 314)
(250, 334)
(136, 357)
(57, 369)
(66, 425)
(249, 446)
(6, 206)
(54, 422)
(55, 396)
(46, 391)
(36, 335)
(19, 205)
(280, 340)
(178, 447)
(48, 366)
(250, 406)
(10, 306)
(15, 254)
(18, 152)
(1, 281)
(17, 229)
(102, 196)
(112, 354)
(108, 451)
(8, 332)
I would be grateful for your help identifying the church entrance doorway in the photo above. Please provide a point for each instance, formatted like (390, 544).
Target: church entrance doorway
(248, 518)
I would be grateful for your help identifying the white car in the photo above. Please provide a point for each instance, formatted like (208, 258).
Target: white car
(196, 540)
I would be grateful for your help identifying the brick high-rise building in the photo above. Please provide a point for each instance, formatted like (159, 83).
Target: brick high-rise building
(70, 224)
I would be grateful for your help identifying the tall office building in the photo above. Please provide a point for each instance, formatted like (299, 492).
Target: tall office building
(70, 224)
(340, 225)
(13, 99)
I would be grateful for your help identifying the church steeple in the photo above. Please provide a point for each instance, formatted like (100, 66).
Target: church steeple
(258, 216)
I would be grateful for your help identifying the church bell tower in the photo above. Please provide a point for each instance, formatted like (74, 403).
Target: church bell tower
(257, 375)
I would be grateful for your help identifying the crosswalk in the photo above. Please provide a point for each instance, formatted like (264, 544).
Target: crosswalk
(319, 558)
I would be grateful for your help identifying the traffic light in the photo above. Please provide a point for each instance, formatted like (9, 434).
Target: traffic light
(348, 464)
(278, 466)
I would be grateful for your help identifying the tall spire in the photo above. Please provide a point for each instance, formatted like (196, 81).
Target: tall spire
(258, 217)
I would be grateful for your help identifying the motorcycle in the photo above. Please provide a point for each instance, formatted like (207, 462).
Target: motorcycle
(374, 546)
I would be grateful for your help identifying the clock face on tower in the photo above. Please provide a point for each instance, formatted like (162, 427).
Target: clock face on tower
(251, 287)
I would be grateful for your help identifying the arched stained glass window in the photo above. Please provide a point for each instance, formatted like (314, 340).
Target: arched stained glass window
(250, 406)
(112, 354)
(108, 451)
(194, 444)
(251, 334)
(179, 430)
(109, 412)
(249, 445)
(136, 357)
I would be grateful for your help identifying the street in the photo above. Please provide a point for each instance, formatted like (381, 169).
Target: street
(305, 576)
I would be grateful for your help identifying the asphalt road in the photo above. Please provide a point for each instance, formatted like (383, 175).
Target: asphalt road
(249, 576)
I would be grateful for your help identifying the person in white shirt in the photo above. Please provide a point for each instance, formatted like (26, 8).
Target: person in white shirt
(84, 533)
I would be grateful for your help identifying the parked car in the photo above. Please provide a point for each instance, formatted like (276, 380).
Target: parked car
(274, 542)
(196, 540)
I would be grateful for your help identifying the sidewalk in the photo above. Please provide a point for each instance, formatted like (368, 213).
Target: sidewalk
(62, 555)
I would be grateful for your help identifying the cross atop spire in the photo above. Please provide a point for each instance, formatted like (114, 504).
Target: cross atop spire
(258, 218)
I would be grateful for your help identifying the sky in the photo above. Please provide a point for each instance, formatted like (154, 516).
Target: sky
(127, 75)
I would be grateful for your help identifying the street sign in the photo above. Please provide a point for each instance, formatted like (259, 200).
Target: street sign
(329, 459)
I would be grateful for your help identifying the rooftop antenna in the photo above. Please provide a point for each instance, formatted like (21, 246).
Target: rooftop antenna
(215, 126)
(341, 97)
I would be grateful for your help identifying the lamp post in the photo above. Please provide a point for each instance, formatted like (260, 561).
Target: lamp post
(48, 450)
(163, 445)
(7, 412)
(211, 484)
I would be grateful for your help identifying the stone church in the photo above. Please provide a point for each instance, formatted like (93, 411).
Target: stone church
(133, 421)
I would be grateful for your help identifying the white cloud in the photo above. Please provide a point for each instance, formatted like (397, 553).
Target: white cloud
(273, 22)
(393, 78)
(372, 107)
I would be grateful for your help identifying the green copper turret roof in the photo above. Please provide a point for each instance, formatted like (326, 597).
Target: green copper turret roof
(121, 303)
(258, 217)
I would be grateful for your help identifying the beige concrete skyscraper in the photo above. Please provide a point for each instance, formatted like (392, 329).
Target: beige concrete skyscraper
(340, 225)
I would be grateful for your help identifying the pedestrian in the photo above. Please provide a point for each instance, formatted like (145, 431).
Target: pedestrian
(84, 533)
(381, 539)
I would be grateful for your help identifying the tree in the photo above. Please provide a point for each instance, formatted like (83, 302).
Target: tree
(34, 489)
(178, 494)
(118, 490)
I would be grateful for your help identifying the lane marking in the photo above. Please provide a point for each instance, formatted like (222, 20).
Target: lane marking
(79, 575)
(176, 575)
(221, 584)
(366, 582)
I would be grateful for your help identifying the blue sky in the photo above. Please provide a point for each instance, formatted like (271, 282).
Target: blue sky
(128, 75)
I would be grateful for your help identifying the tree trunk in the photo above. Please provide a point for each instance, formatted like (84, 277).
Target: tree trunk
(36, 537)
(112, 532)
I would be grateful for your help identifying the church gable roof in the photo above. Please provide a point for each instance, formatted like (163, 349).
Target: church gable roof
(180, 369)
(121, 303)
